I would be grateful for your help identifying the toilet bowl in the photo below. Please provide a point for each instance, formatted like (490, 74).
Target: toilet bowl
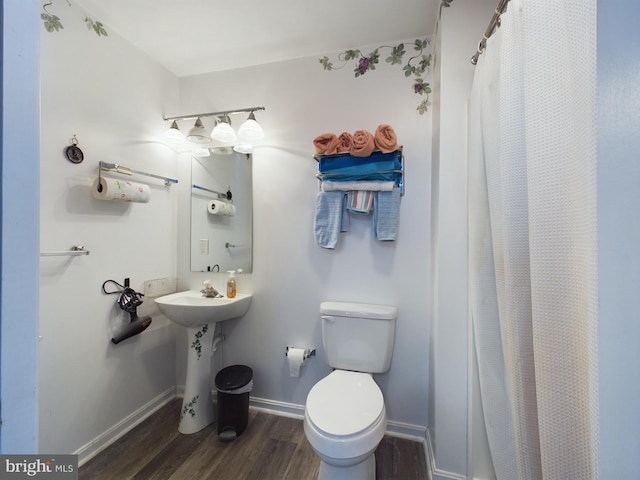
(344, 421)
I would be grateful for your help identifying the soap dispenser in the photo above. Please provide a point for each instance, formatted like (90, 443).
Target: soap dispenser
(231, 284)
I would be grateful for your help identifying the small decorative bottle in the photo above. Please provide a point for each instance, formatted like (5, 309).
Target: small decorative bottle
(231, 284)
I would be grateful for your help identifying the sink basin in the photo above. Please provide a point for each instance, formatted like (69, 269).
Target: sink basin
(191, 309)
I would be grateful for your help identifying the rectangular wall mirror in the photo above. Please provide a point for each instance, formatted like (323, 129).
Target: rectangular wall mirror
(221, 211)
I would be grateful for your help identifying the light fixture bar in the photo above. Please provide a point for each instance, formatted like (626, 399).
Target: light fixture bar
(212, 114)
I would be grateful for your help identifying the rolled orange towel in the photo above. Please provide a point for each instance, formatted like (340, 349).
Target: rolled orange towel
(327, 143)
(385, 138)
(345, 141)
(363, 144)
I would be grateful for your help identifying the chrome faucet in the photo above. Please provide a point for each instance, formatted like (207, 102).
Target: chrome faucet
(209, 291)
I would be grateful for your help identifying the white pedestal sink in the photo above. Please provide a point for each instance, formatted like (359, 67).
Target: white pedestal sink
(199, 315)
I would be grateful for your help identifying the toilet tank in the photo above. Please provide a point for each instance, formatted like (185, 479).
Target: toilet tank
(358, 336)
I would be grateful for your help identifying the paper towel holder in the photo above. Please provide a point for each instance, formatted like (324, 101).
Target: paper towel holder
(308, 352)
(116, 168)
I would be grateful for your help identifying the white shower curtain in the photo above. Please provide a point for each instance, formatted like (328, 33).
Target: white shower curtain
(532, 240)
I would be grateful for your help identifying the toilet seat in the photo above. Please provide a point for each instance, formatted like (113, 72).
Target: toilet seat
(345, 403)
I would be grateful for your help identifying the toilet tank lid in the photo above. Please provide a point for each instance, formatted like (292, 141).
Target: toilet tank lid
(360, 310)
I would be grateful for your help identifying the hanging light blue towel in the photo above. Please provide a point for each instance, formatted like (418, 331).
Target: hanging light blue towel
(386, 209)
(331, 218)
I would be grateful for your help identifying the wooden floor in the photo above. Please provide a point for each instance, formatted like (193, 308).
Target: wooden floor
(271, 448)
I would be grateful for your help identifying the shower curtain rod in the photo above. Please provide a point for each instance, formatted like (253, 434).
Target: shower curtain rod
(495, 22)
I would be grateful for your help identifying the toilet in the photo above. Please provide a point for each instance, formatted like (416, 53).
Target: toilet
(345, 417)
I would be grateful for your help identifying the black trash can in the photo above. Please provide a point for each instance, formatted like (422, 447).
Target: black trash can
(233, 384)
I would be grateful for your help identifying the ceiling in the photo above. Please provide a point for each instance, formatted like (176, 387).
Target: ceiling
(190, 37)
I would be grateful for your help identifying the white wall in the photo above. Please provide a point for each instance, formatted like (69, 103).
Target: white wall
(291, 274)
(460, 29)
(112, 97)
(618, 238)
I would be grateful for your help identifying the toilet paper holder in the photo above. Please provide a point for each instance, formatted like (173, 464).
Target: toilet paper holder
(308, 352)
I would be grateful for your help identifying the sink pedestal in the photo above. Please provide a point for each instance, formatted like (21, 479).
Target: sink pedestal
(197, 404)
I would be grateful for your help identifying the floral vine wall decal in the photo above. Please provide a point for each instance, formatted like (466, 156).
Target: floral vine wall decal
(365, 63)
(417, 65)
(52, 22)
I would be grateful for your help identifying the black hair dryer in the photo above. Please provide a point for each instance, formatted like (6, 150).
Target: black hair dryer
(129, 300)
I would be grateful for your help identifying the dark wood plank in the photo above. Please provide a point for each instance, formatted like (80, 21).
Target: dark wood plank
(243, 452)
(400, 459)
(273, 461)
(137, 448)
(174, 455)
(287, 428)
(305, 464)
(206, 457)
(271, 448)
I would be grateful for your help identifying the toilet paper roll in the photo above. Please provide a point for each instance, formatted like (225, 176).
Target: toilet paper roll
(295, 357)
(120, 190)
(218, 207)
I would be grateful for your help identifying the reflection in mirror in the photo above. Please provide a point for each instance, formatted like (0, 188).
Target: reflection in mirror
(221, 211)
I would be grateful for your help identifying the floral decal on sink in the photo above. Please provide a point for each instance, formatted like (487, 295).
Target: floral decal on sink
(188, 408)
(196, 345)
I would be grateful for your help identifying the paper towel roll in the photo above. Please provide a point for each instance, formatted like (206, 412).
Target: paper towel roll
(122, 190)
(295, 357)
(218, 207)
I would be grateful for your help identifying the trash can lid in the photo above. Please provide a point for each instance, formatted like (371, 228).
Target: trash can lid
(233, 377)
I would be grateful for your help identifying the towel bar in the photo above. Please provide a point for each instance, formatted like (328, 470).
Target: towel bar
(74, 251)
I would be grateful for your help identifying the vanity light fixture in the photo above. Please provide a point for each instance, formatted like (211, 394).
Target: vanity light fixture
(198, 134)
(223, 131)
(249, 131)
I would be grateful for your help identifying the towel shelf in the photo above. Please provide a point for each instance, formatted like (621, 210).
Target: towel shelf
(317, 156)
(377, 166)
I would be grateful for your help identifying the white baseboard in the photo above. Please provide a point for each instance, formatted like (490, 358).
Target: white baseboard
(406, 430)
(98, 444)
(432, 471)
(275, 407)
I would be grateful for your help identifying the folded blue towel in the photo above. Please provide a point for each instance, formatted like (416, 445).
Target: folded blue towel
(386, 209)
(330, 218)
(385, 176)
(347, 164)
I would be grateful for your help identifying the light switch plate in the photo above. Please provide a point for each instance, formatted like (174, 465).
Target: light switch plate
(204, 246)
(160, 286)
